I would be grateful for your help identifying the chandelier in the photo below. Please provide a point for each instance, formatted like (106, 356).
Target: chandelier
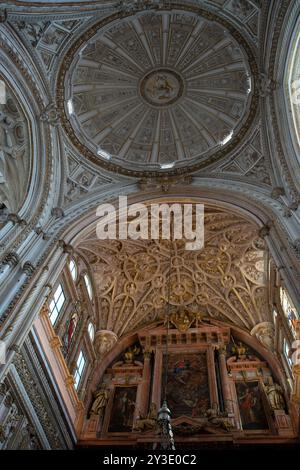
(164, 427)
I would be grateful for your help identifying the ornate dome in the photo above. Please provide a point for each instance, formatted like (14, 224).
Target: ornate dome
(157, 90)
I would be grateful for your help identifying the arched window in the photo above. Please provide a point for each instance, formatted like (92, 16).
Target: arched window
(80, 364)
(88, 286)
(73, 269)
(288, 308)
(91, 331)
(56, 304)
(286, 351)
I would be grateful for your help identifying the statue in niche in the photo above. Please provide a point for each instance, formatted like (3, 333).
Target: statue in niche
(13, 155)
(100, 398)
(7, 143)
(275, 395)
(148, 422)
(240, 351)
(130, 354)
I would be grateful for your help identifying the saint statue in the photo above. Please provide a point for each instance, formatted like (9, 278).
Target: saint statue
(275, 395)
(100, 400)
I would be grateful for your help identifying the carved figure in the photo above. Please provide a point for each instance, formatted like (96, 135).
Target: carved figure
(130, 354)
(100, 400)
(275, 395)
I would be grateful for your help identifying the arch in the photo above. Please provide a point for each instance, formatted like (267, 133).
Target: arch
(286, 96)
(278, 240)
(30, 99)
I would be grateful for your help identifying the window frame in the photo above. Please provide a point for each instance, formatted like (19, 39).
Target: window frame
(285, 350)
(58, 306)
(90, 328)
(79, 369)
(88, 285)
(74, 269)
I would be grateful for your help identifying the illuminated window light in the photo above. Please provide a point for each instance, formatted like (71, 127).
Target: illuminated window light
(102, 153)
(70, 107)
(165, 166)
(227, 138)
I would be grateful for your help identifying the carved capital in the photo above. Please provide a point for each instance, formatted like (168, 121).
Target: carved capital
(55, 342)
(12, 259)
(222, 349)
(147, 354)
(16, 219)
(277, 192)
(57, 212)
(28, 268)
(44, 311)
(67, 248)
(69, 381)
(264, 231)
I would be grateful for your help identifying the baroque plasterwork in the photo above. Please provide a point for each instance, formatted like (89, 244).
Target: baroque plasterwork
(213, 147)
(250, 161)
(279, 157)
(227, 280)
(159, 88)
(47, 36)
(15, 154)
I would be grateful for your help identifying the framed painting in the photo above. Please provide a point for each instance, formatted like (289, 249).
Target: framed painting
(251, 406)
(187, 387)
(121, 417)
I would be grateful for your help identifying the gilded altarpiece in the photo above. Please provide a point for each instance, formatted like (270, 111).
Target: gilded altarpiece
(217, 390)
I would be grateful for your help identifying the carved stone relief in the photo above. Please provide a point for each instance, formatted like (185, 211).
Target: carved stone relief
(16, 432)
(14, 154)
(250, 161)
(47, 37)
(227, 280)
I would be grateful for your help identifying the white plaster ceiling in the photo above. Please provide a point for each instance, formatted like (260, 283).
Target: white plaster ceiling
(156, 90)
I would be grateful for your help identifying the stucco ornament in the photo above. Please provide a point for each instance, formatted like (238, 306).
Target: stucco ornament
(104, 342)
(265, 332)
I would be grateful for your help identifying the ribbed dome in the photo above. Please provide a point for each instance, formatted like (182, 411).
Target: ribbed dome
(158, 90)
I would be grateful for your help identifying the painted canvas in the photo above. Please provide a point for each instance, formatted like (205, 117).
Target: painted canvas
(121, 418)
(251, 407)
(187, 388)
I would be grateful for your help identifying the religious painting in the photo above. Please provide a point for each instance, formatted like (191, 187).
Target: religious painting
(251, 407)
(187, 386)
(121, 418)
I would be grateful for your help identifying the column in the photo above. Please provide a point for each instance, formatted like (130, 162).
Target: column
(213, 388)
(142, 401)
(225, 379)
(157, 376)
(296, 363)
